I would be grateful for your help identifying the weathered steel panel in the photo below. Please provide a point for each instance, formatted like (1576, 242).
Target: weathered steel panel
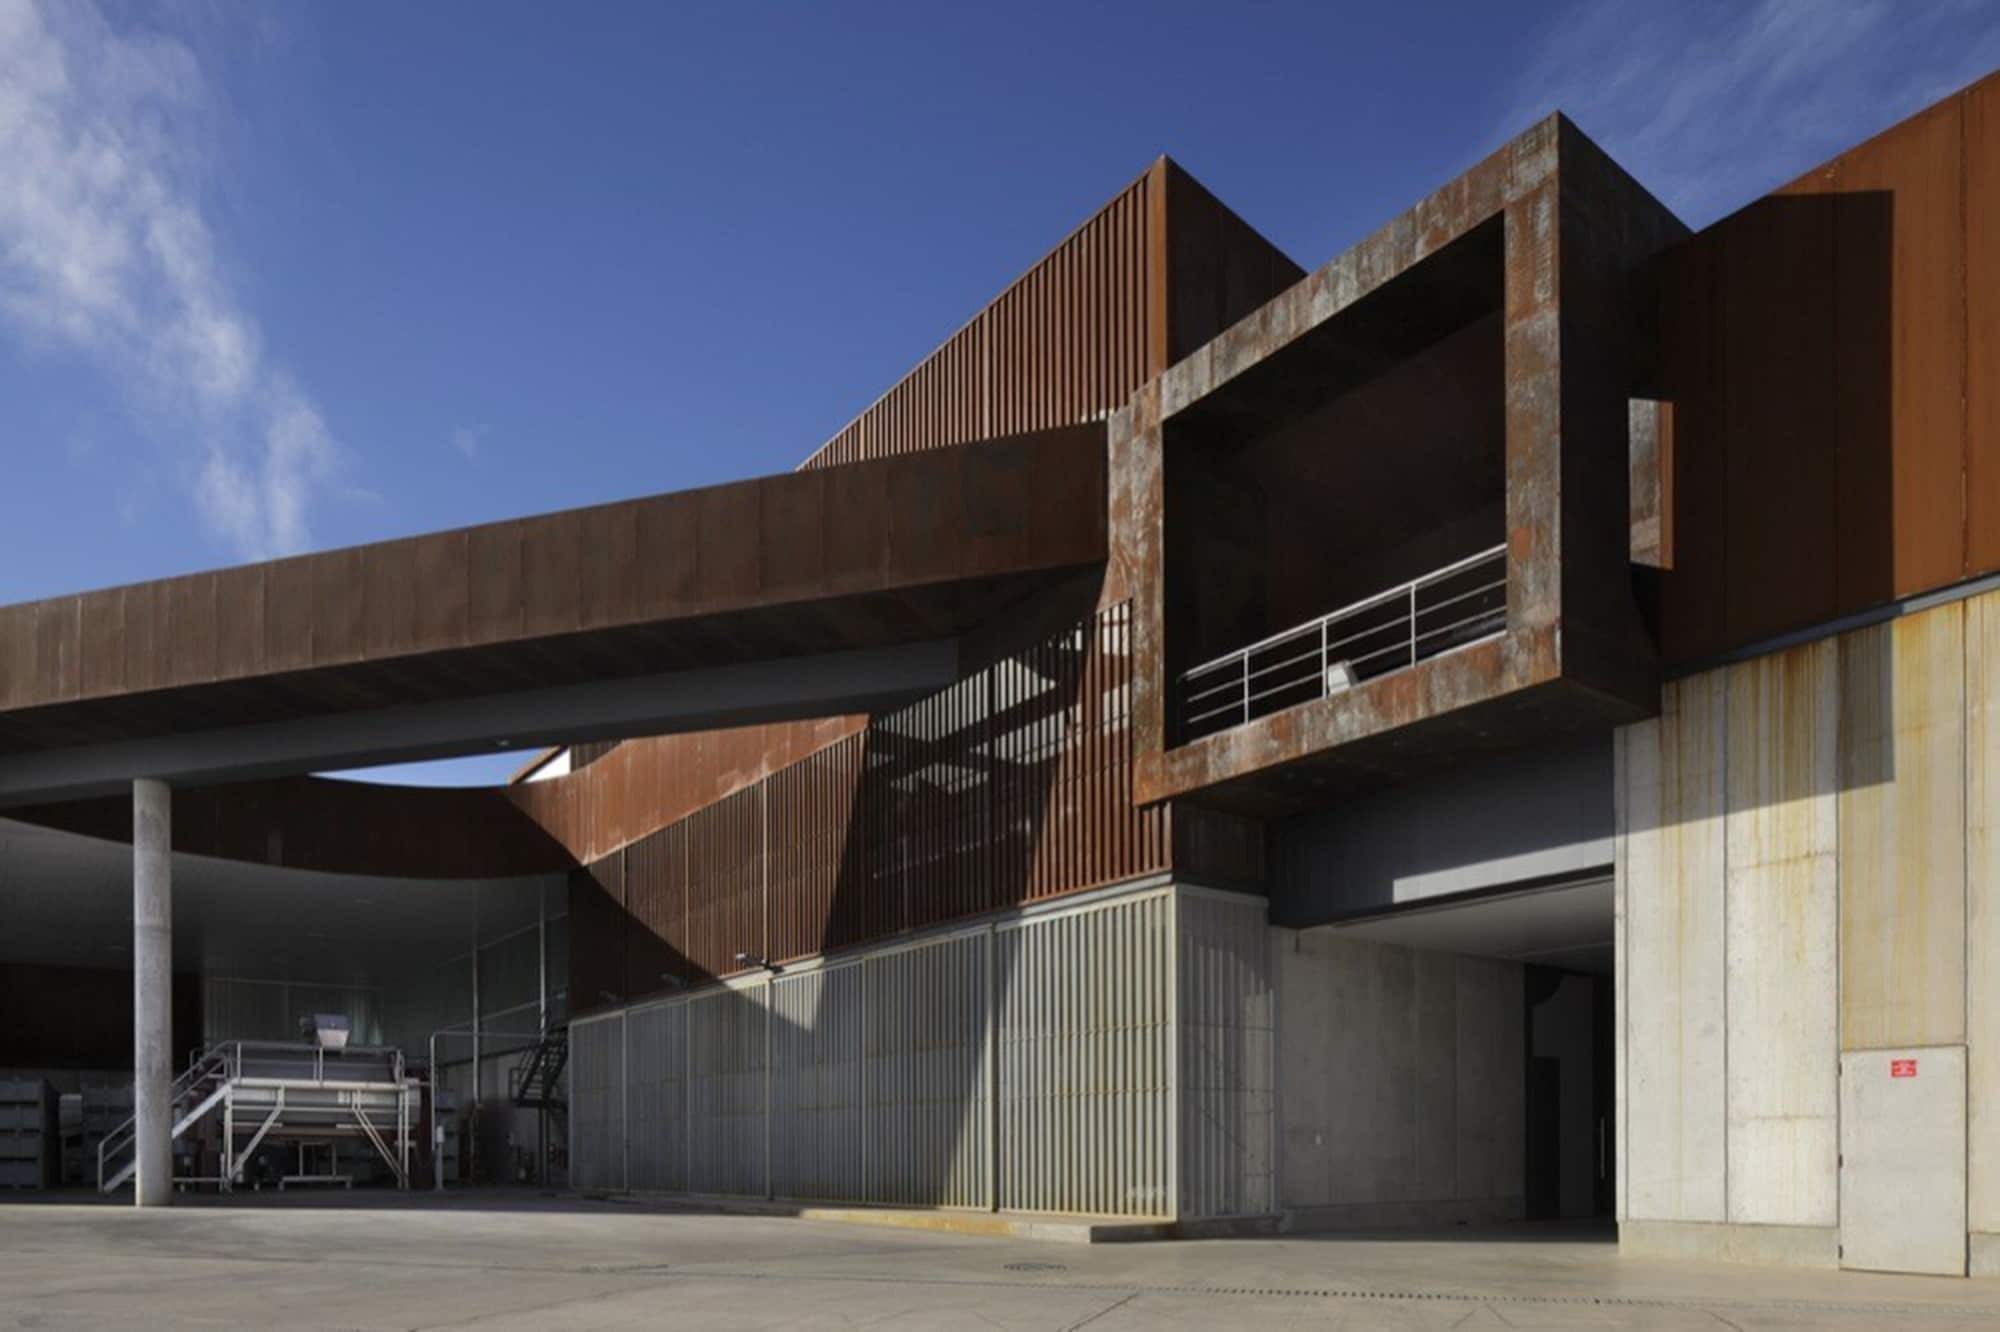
(1067, 342)
(1907, 187)
(727, 1061)
(1902, 832)
(924, 1080)
(1782, 934)
(1693, 600)
(337, 606)
(598, 934)
(1776, 326)
(725, 883)
(239, 621)
(656, 912)
(190, 631)
(817, 1121)
(1982, 914)
(1226, 1024)
(817, 852)
(1982, 326)
(551, 591)
(597, 1103)
(655, 1107)
(1086, 1090)
(1676, 1110)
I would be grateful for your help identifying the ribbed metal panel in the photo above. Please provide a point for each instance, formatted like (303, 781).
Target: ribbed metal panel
(816, 852)
(656, 1060)
(926, 1075)
(726, 1091)
(816, 1118)
(1066, 343)
(1085, 1059)
(1226, 1022)
(726, 881)
(597, 1103)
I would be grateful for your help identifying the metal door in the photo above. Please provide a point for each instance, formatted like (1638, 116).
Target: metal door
(1902, 1160)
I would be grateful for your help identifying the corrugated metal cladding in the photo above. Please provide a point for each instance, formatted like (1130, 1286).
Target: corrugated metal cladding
(874, 1080)
(1227, 1022)
(728, 1044)
(597, 1103)
(928, 1013)
(816, 1113)
(656, 1066)
(1085, 1043)
(1148, 279)
(1010, 787)
(1067, 342)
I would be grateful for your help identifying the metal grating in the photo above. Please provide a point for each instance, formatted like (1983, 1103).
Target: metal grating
(656, 1057)
(926, 1074)
(816, 1111)
(727, 1044)
(597, 1103)
(1085, 1060)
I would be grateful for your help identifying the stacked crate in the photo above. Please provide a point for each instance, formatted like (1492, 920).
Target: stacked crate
(30, 1146)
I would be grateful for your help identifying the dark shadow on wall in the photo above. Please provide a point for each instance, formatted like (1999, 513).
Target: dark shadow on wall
(1010, 786)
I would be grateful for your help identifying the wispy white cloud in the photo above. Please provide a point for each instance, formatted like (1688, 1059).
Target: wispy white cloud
(105, 249)
(1713, 102)
(468, 438)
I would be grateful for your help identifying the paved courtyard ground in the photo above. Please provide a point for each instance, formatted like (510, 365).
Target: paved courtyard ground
(529, 1261)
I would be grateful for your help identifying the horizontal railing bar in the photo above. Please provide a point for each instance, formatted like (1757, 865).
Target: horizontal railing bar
(1366, 603)
(1445, 629)
(1479, 591)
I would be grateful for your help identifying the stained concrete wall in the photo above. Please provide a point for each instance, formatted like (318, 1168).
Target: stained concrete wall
(1806, 866)
(1535, 814)
(1401, 1083)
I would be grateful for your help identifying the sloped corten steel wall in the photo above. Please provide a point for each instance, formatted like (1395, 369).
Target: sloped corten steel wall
(1013, 786)
(1154, 274)
(1830, 352)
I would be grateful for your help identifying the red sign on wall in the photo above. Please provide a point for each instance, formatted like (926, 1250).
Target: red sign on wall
(1902, 1068)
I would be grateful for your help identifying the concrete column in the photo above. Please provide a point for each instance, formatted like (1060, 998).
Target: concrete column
(152, 992)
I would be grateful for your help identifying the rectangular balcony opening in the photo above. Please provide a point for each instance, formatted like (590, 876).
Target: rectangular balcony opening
(1339, 512)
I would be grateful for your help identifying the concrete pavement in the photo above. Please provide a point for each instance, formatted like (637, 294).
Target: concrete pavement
(528, 1261)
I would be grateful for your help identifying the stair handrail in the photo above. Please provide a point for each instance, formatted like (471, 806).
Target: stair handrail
(214, 1062)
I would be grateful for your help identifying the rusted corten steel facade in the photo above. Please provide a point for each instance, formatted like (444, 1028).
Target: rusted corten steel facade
(1836, 346)
(888, 550)
(1149, 277)
(1829, 441)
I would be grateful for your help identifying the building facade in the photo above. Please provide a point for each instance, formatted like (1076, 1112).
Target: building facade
(1503, 725)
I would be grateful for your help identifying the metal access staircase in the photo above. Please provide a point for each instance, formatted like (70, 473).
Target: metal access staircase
(281, 1091)
(536, 1082)
(196, 1092)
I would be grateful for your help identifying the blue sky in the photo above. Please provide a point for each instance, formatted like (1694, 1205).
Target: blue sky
(278, 278)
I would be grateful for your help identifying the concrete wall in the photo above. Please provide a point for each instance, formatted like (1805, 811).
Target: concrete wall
(1535, 814)
(1401, 1083)
(1806, 867)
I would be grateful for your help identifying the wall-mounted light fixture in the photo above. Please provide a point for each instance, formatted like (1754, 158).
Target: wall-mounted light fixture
(757, 960)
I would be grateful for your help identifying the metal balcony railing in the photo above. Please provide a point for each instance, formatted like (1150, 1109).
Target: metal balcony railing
(1389, 631)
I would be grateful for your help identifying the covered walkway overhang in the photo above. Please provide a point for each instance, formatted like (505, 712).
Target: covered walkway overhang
(818, 593)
